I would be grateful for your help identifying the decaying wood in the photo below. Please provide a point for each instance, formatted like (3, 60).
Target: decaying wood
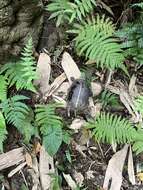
(11, 158)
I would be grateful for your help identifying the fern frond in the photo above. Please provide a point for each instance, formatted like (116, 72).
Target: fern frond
(69, 11)
(107, 98)
(132, 40)
(3, 88)
(98, 24)
(3, 131)
(95, 41)
(15, 110)
(139, 104)
(50, 126)
(28, 62)
(112, 129)
(21, 73)
(140, 5)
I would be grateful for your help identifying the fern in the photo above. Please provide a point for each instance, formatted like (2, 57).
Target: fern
(132, 40)
(107, 98)
(69, 11)
(112, 129)
(3, 88)
(140, 5)
(50, 127)
(95, 41)
(14, 110)
(139, 104)
(3, 131)
(22, 73)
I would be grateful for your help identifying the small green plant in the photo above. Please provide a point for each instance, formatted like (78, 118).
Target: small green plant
(139, 104)
(109, 128)
(108, 99)
(50, 127)
(21, 73)
(66, 10)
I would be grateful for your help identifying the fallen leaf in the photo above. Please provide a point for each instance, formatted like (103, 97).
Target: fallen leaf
(62, 91)
(70, 181)
(60, 100)
(37, 147)
(28, 159)
(43, 70)
(140, 176)
(89, 174)
(77, 124)
(85, 136)
(114, 169)
(78, 178)
(131, 172)
(70, 68)
(46, 167)
(96, 88)
(56, 84)
(17, 169)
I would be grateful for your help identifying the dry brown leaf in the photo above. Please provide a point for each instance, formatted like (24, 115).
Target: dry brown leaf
(78, 178)
(89, 174)
(17, 169)
(131, 167)
(70, 181)
(28, 159)
(77, 124)
(60, 100)
(140, 176)
(34, 173)
(56, 84)
(114, 169)
(85, 136)
(43, 70)
(70, 68)
(62, 90)
(37, 147)
(96, 88)
(46, 167)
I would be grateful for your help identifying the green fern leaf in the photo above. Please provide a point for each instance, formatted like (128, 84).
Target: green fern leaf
(28, 62)
(112, 129)
(69, 11)
(15, 110)
(3, 88)
(3, 131)
(22, 73)
(50, 126)
(139, 104)
(95, 41)
(52, 139)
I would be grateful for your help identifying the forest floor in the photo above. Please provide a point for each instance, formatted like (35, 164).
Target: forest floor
(84, 159)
